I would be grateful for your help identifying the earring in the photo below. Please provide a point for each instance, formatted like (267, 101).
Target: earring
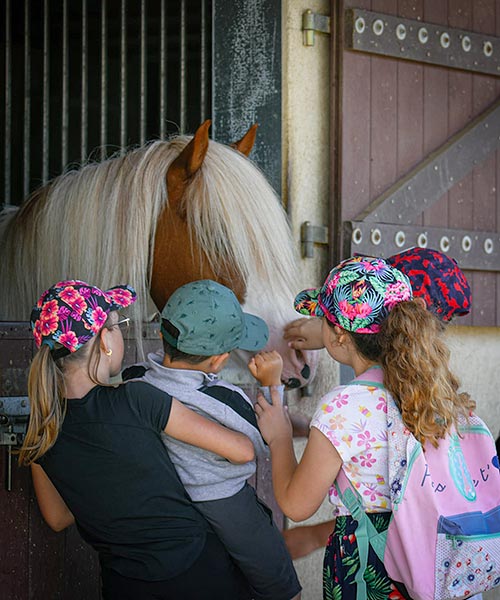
(108, 352)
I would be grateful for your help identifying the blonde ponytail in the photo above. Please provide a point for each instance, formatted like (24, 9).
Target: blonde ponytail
(47, 406)
(415, 359)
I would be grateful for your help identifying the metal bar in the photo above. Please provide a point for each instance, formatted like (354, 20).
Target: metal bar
(143, 100)
(8, 105)
(473, 250)
(182, 68)
(84, 88)
(203, 63)
(27, 101)
(104, 79)
(46, 95)
(415, 40)
(65, 90)
(163, 71)
(123, 77)
(437, 173)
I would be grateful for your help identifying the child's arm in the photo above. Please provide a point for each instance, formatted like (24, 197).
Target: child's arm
(53, 508)
(190, 427)
(304, 334)
(299, 488)
(266, 367)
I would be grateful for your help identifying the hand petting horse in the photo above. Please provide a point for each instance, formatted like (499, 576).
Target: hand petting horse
(158, 217)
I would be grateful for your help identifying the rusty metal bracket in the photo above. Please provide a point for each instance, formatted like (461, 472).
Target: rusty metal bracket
(313, 23)
(414, 40)
(473, 250)
(14, 414)
(310, 235)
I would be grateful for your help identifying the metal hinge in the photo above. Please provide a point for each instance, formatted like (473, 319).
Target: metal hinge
(310, 235)
(14, 414)
(313, 23)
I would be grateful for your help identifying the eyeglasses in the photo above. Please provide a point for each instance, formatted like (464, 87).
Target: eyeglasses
(123, 324)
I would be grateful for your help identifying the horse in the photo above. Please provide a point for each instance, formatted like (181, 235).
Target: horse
(157, 217)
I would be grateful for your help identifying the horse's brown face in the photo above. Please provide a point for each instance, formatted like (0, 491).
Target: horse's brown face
(177, 261)
(177, 258)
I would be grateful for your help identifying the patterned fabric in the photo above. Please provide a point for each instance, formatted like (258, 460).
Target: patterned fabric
(341, 563)
(353, 417)
(437, 279)
(71, 312)
(357, 294)
(210, 321)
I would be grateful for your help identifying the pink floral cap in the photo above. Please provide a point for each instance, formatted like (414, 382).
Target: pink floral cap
(71, 312)
(357, 295)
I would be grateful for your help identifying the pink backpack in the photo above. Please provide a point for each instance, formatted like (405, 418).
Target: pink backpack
(443, 540)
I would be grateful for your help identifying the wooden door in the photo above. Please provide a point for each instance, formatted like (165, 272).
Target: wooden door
(415, 135)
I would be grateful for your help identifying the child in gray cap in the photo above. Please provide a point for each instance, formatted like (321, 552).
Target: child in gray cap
(202, 323)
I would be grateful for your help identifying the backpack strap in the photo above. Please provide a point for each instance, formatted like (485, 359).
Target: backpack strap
(366, 534)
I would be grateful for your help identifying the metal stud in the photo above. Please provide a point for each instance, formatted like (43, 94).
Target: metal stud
(466, 43)
(423, 35)
(488, 49)
(400, 239)
(466, 243)
(360, 25)
(376, 237)
(401, 32)
(378, 27)
(488, 246)
(422, 240)
(445, 40)
(357, 236)
(444, 244)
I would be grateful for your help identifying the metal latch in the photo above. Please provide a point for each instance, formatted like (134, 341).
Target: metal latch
(313, 23)
(310, 235)
(14, 414)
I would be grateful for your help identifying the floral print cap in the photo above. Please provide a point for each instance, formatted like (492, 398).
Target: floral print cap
(71, 312)
(357, 295)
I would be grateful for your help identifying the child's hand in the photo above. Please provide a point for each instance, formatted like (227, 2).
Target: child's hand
(273, 420)
(304, 334)
(266, 367)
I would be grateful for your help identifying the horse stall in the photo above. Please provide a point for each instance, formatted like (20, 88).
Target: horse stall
(83, 83)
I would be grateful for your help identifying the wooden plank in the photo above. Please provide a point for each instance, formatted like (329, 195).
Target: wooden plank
(45, 556)
(81, 568)
(383, 148)
(410, 103)
(460, 111)
(435, 112)
(484, 177)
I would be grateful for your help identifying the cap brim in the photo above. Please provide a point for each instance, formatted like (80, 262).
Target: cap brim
(256, 334)
(306, 303)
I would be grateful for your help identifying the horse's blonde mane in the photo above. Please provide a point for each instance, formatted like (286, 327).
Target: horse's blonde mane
(98, 224)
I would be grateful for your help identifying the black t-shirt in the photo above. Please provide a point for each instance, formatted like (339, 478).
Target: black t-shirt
(113, 471)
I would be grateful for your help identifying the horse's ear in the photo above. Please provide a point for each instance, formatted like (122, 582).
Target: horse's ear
(246, 143)
(187, 164)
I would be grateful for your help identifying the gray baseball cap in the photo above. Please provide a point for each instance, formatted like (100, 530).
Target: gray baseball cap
(210, 321)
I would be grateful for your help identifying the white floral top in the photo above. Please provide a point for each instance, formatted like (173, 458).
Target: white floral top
(354, 418)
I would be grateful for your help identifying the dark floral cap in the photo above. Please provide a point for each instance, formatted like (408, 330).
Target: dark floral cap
(437, 279)
(357, 295)
(71, 312)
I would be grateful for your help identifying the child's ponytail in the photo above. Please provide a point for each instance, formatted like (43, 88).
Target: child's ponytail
(415, 360)
(47, 406)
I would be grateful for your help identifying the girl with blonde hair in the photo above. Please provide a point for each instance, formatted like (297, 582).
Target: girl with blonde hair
(97, 457)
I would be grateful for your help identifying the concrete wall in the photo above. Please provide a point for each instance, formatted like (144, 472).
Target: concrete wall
(475, 351)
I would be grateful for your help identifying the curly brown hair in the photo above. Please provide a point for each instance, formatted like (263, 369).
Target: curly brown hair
(415, 359)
